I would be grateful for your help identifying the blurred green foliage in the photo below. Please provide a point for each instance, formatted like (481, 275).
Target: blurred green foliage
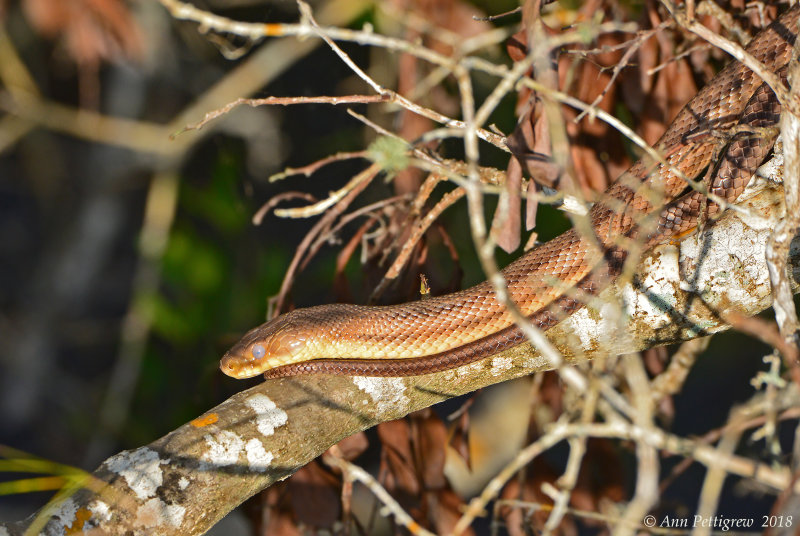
(216, 275)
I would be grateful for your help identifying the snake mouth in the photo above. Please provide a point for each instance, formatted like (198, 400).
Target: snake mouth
(239, 367)
(235, 367)
(242, 364)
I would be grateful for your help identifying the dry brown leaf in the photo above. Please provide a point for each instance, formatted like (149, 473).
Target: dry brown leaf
(354, 446)
(530, 142)
(459, 438)
(459, 17)
(551, 393)
(601, 477)
(521, 522)
(397, 458)
(445, 511)
(530, 145)
(341, 286)
(655, 359)
(314, 496)
(411, 125)
(674, 87)
(92, 30)
(598, 154)
(278, 519)
(506, 225)
(429, 446)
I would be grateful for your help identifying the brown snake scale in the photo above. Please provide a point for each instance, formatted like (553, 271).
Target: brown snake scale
(448, 331)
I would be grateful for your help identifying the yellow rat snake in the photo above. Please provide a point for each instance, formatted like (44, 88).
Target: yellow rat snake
(452, 330)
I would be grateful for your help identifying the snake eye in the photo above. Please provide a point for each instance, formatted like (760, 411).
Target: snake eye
(258, 351)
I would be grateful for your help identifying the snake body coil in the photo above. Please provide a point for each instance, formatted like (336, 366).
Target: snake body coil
(448, 331)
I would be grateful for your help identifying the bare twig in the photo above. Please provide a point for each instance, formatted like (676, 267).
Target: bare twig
(284, 101)
(671, 380)
(334, 197)
(778, 249)
(356, 473)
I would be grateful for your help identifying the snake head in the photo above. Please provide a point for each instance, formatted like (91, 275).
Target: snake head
(270, 345)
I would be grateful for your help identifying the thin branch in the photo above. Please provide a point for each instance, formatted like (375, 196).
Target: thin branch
(334, 197)
(283, 101)
(778, 249)
(356, 473)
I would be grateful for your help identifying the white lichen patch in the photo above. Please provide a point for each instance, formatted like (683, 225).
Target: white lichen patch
(595, 326)
(65, 513)
(657, 292)
(387, 393)
(268, 415)
(500, 365)
(257, 457)
(771, 170)
(534, 362)
(573, 205)
(223, 448)
(157, 513)
(100, 510)
(183, 483)
(729, 264)
(141, 469)
(586, 327)
(467, 371)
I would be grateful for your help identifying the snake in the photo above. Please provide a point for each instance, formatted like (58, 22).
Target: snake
(546, 282)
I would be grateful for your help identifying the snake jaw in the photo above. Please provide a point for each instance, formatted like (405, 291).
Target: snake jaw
(268, 346)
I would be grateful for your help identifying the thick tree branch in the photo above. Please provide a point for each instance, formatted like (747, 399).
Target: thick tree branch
(186, 481)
